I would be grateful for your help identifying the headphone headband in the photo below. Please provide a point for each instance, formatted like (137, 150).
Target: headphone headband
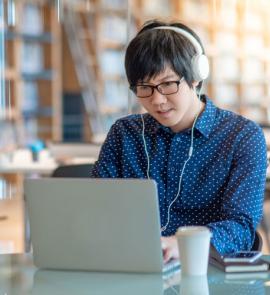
(200, 63)
(186, 34)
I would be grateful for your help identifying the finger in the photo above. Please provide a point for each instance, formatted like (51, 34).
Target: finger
(166, 255)
(163, 245)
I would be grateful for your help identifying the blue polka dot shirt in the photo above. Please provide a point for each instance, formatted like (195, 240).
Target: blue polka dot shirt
(223, 182)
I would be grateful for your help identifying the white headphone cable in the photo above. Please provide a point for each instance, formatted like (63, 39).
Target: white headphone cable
(163, 228)
(190, 152)
(145, 147)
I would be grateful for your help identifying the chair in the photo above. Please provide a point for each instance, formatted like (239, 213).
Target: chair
(77, 171)
(258, 242)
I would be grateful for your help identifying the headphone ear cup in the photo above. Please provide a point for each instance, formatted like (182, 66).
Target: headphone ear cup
(200, 67)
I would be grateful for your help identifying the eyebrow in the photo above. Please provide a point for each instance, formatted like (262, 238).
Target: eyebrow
(164, 78)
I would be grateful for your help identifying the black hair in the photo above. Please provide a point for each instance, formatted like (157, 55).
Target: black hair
(151, 51)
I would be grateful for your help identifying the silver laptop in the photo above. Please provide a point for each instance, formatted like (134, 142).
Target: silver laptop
(94, 224)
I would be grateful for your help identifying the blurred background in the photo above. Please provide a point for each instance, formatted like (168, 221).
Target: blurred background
(62, 81)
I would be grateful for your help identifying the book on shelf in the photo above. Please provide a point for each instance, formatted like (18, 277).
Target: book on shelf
(237, 267)
(112, 62)
(115, 94)
(114, 4)
(32, 15)
(32, 57)
(30, 98)
(114, 29)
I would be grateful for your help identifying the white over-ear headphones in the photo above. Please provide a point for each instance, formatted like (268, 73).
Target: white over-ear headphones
(200, 63)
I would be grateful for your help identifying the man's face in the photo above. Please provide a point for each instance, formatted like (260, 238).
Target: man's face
(174, 110)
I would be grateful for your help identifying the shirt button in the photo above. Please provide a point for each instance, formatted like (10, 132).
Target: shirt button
(178, 139)
(172, 169)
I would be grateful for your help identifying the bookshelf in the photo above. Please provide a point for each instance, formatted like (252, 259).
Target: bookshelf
(236, 37)
(234, 32)
(33, 72)
(30, 101)
(103, 30)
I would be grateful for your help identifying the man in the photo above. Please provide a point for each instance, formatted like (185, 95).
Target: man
(209, 163)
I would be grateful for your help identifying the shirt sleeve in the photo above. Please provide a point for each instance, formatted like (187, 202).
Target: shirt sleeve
(243, 197)
(108, 164)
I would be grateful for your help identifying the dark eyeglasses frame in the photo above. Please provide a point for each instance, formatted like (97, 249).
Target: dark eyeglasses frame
(153, 87)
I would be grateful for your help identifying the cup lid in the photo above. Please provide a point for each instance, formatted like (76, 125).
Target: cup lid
(193, 230)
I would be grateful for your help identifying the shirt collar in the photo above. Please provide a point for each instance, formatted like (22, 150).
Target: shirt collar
(204, 123)
(206, 120)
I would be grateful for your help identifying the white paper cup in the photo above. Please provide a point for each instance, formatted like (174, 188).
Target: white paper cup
(193, 243)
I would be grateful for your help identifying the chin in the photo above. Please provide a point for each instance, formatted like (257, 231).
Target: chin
(170, 122)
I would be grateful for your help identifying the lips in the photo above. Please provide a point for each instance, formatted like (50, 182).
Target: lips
(164, 113)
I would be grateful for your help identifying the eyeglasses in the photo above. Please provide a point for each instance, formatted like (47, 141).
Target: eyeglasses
(165, 88)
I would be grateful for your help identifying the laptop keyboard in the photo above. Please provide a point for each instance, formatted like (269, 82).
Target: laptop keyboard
(171, 268)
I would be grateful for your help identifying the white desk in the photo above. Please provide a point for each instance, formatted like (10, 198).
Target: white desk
(20, 161)
(19, 276)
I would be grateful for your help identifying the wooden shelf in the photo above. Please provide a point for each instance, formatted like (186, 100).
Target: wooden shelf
(113, 77)
(225, 34)
(244, 81)
(237, 24)
(45, 37)
(109, 110)
(11, 74)
(8, 114)
(108, 44)
(97, 8)
(42, 75)
(34, 68)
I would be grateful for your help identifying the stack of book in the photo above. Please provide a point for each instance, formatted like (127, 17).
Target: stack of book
(259, 265)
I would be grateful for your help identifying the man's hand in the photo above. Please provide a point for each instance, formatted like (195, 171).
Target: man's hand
(169, 248)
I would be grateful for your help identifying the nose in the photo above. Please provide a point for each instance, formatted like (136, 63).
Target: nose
(158, 98)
